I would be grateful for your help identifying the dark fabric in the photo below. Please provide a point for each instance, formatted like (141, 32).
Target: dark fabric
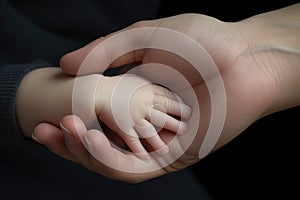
(10, 77)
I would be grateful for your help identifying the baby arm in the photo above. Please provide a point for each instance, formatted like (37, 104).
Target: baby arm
(47, 95)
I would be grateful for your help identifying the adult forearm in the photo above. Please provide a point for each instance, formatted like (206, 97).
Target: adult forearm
(274, 44)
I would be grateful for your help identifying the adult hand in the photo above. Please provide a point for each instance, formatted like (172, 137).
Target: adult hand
(256, 72)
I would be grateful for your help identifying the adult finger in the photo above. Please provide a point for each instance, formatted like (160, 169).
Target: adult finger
(107, 160)
(71, 126)
(104, 52)
(53, 138)
(113, 163)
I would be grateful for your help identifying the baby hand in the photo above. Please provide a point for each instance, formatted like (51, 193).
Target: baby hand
(131, 106)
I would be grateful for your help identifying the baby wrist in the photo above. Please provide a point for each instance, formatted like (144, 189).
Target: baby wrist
(103, 95)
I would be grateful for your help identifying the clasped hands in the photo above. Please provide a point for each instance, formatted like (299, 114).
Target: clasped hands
(251, 91)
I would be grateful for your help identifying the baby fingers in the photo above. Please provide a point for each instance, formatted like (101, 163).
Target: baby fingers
(133, 142)
(165, 92)
(172, 107)
(164, 120)
(147, 131)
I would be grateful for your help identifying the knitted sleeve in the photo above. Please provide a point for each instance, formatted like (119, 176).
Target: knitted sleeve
(10, 78)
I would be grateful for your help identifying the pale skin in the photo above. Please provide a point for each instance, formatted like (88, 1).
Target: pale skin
(259, 61)
(47, 94)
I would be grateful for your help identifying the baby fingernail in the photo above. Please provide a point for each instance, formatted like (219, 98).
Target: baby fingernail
(189, 112)
(144, 156)
(182, 128)
(163, 151)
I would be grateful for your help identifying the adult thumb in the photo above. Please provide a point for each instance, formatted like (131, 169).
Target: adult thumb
(114, 50)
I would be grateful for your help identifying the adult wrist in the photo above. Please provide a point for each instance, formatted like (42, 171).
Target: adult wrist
(274, 45)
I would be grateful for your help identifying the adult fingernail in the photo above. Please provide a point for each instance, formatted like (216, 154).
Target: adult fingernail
(144, 156)
(64, 128)
(88, 142)
(68, 135)
(34, 138)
